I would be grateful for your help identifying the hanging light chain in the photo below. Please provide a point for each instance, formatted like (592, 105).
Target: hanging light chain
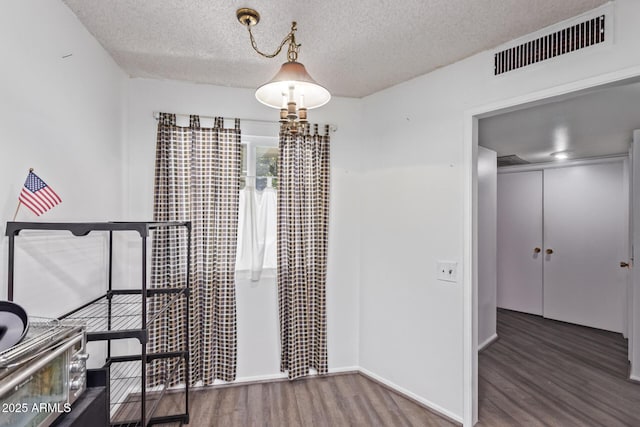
(293, 109)
(292, 52)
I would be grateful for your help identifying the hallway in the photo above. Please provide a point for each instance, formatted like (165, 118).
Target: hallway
(544, 372)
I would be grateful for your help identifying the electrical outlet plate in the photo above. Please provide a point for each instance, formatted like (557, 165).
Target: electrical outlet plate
(447, 271)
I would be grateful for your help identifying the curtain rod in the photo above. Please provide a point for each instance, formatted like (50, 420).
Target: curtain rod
(156, 115)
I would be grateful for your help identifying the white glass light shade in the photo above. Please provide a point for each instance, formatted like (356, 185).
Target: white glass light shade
(293, 74)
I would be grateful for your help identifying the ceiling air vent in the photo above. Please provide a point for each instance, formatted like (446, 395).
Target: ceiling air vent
(586, 33)
(511, 160)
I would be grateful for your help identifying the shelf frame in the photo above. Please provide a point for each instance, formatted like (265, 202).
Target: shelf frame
(13, 229)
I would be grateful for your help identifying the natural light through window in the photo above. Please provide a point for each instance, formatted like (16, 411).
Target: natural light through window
(257, 211)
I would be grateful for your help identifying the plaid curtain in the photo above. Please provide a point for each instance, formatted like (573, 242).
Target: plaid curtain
(197, 179)
(303, 219)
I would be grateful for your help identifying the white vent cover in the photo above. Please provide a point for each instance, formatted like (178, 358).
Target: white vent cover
(557, 40)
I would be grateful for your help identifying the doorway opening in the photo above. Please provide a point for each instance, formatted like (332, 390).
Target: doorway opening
(472, 121)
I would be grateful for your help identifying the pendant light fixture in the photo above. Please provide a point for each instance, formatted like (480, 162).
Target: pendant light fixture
(292, 90)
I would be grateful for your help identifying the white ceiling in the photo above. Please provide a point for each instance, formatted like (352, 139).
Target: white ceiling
(598, 123)
(352, 48)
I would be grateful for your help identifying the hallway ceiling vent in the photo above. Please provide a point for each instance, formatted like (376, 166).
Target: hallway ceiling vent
(553, 43)
(511, 160)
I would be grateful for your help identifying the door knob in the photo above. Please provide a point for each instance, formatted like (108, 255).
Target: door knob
(624, 264)
(536, 250)
(549, 251)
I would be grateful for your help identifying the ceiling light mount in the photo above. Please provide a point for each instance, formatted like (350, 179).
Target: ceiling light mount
(561, 155)
(248, 17)
(292, 89)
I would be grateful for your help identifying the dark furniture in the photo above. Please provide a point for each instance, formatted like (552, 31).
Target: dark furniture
(124, 314)
(92, 408)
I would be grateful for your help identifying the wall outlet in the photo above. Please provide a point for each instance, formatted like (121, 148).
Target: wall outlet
(447, 271)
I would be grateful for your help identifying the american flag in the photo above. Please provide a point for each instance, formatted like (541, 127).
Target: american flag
(38, 196)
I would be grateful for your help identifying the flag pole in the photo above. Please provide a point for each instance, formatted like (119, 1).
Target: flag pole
(17, 209)
(19, 203)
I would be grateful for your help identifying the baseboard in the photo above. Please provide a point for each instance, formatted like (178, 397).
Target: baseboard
(281, 376)
(260, 378)
(487, 342)
(412, 396)
(344, 370)
(635, 378)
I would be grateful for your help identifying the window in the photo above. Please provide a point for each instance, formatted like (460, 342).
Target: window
(266, 167)
(259, 164)
(257, 211)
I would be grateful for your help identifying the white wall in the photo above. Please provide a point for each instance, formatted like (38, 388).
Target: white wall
(398, 183)
(64, 118)
(258, 342)
(412, 331)
(487, 245)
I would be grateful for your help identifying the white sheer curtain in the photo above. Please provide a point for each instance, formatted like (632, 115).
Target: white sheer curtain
(256, 230)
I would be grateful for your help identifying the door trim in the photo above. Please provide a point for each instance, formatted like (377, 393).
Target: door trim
(634, 315)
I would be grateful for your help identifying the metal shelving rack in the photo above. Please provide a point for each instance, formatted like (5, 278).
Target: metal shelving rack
(123, 314)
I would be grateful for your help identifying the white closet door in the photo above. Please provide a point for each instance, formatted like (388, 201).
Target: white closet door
(519, 234)
(586, 227)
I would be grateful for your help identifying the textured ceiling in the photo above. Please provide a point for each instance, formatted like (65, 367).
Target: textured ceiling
(352, 48)
(598, 123)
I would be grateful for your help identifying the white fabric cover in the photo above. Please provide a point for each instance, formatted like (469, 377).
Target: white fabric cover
(256, 230)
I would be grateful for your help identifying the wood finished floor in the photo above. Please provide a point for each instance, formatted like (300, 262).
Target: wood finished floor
(331, 401)
(547, 373)
(539, 373)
